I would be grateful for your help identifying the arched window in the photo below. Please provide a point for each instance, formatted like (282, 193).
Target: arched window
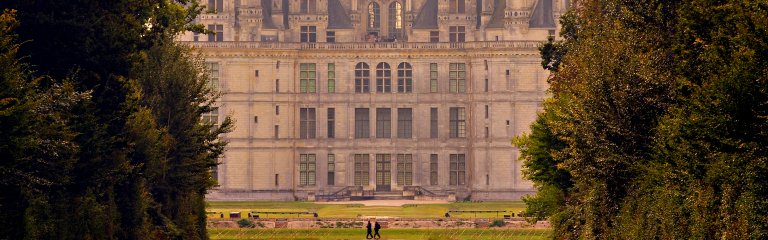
(383, 78)
(373, 16)
(395, 19)
(456, 6)
(404, 78)
(362, 78)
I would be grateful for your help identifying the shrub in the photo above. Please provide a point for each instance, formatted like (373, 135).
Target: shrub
(497, 223)
(245, 223)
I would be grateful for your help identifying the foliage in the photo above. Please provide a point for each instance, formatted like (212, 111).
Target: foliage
(497, 223)
(104, 135)
(245, 223)
(658, 112)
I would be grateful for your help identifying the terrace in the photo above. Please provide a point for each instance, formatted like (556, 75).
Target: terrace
(372, 45)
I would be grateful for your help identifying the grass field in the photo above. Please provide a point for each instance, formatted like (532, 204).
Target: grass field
(345, 233)
(355, 210)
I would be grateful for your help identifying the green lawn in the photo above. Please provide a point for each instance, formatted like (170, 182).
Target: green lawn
(355, 210)
(345, 233)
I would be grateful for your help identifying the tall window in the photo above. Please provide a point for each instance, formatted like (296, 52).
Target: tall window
(433, 169)
(212, 117)
(433, 122)
(307, 78)
(434, 36)
(458, 169)
(457, 78)
(404, 78)
(362, 78)
(361, 169)
(213, 75)
(215, 6)
(362, 125)
(433, 77)
(404, 169)
(331, 78)
(395, 20)
(404, 123)
(218, 29)
(456, 6)
(373, 16)
(456, 33)
(307, 123)
(331, 169)
(308, 6)
(308, 34)
(331, 123)
(383, 78)
(458, 122)
(307, 169)
(383, 123)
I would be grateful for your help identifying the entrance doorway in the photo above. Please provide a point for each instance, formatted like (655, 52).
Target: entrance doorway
(383, 172)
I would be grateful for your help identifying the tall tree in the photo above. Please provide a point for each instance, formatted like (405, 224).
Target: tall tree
(661, 119)
(141, 156)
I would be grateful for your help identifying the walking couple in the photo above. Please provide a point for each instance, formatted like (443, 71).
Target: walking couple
(376, 230)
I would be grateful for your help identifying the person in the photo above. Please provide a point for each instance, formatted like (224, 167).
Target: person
(376, 230)
(368, 229)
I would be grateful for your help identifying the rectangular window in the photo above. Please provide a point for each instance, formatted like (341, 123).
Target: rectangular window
(433, 77)
(215, 6)
(486, 112)
(434, 36)
(456, 33)
(458, 122)
(383, 123)
(433, 169)
(218, 31)
(331, 169)
(277, 178)
(277, 85)
(308, 34)
(196, 37)
(404, 169)
(307, 166)
(458, 168)
(331, 123)
(330, 36)
(487, 132)
(307, 123)
(457, 78)
(212, 117)
(213, 75)
(486, 85)
(277, 109)
(362, 124)
(307, 78)
(308, 6)
(456, 6)
(331, 78)
(277, 131)
(404, 123)
(433, 123)
(361, 169)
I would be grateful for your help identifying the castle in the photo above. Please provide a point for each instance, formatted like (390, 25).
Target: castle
(349, 99)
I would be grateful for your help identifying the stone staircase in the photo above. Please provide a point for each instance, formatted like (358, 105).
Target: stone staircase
(392, 195)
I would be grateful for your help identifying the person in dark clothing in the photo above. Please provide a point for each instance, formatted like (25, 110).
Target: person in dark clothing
(368, 229)
(376, 230)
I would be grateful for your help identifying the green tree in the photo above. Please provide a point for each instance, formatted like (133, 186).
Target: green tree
(138, 166)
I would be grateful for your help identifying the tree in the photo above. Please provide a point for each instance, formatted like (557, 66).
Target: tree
(660, 120)
(139, 156)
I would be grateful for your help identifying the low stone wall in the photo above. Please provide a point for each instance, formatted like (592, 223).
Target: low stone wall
(357, 223)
